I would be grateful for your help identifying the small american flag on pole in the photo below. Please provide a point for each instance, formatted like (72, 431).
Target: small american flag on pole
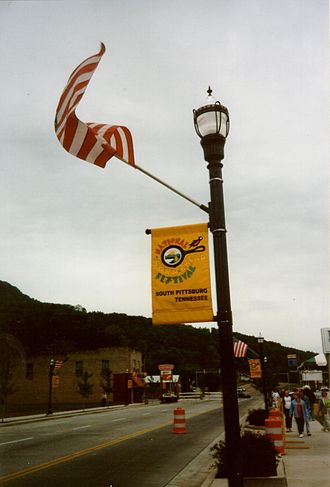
(58, 364)
(240, 349)
(93, 142)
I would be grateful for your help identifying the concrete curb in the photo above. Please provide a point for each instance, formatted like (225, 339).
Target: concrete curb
(201, 471)
(199, 468)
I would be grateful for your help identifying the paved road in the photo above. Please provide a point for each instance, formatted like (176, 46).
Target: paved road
(118, 448)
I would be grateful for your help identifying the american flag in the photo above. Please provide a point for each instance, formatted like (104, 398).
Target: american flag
(92, 142)
(58, 364)
(240, 349)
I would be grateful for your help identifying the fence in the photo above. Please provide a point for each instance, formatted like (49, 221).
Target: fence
(213, 396)
(191, 395)
(209, 396)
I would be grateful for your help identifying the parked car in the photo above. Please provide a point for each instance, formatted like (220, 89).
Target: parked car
(169, 397)
(241, 393)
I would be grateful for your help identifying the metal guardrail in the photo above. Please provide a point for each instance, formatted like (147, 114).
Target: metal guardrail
(210, 396)
(191, 395)
(213, 396)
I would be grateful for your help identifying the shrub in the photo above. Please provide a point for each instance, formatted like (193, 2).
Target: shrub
(257, 456)
(85, 388)
(257, 417)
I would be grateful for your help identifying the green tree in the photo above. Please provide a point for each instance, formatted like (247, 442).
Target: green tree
(12, 355)
(106, 381)
(6, 385)
(85, 387)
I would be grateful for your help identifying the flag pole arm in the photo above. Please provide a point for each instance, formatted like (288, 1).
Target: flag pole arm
(201, 206)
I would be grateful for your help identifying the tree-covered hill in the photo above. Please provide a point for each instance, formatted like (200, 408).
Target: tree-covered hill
(58, 329)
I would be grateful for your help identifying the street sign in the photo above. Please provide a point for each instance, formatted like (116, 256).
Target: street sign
(312, 375)
(55, 381)
(292, 360)
(166, 367)
(166, 375)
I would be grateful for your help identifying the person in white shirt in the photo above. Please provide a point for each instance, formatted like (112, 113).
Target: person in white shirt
(286, 404)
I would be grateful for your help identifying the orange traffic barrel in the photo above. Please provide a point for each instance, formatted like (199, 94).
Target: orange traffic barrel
(179, 425)
(274, 431)
(275, 413)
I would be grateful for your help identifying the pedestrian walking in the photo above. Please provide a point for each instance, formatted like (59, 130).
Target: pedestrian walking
(312, 399)
(104, 398)
(298, 409)
(305, 398)
(286, 406)
(324, 411)
(275, 399)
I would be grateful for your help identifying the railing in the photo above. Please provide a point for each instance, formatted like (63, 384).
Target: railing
(209, 396)
(213, 396)
(191, 395)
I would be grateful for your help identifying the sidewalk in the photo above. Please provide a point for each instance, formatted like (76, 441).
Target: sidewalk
(305, 464)
(307, 460)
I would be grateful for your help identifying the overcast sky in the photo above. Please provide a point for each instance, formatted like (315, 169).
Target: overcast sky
(75, 233)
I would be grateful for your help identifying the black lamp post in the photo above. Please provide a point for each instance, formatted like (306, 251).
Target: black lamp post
(263, 360)
(51, 374)
(267, 395)
(212, 125)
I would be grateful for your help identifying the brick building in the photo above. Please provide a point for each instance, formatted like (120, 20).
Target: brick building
(31, 381)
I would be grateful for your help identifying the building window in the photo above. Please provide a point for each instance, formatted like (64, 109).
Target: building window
(105, 366)
(29, 371)
(79, 368)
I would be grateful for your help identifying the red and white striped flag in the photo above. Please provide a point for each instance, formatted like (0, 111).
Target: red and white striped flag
(240, 349)
(58, 364)
(92, 142)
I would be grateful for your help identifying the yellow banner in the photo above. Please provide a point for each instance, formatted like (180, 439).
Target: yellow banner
(255, 368)
(181, 289)
(55, 381)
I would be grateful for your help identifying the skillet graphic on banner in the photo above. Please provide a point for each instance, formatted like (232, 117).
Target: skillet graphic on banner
(181, 290)
(174, 255)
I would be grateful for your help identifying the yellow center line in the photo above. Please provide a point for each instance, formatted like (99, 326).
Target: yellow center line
(80, 453)
(86, 451)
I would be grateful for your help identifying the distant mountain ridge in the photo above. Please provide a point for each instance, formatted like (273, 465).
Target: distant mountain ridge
(11, 295)
(57, 329)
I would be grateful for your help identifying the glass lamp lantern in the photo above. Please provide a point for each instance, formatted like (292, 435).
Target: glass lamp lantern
(211, 119)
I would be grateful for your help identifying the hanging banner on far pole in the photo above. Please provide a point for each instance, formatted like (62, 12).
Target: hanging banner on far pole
(255, 368)
(181, 289)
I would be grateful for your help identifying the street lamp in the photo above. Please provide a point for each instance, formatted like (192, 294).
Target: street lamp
(51, 373)
(267, 398)
(212, 126)
(263, 361)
